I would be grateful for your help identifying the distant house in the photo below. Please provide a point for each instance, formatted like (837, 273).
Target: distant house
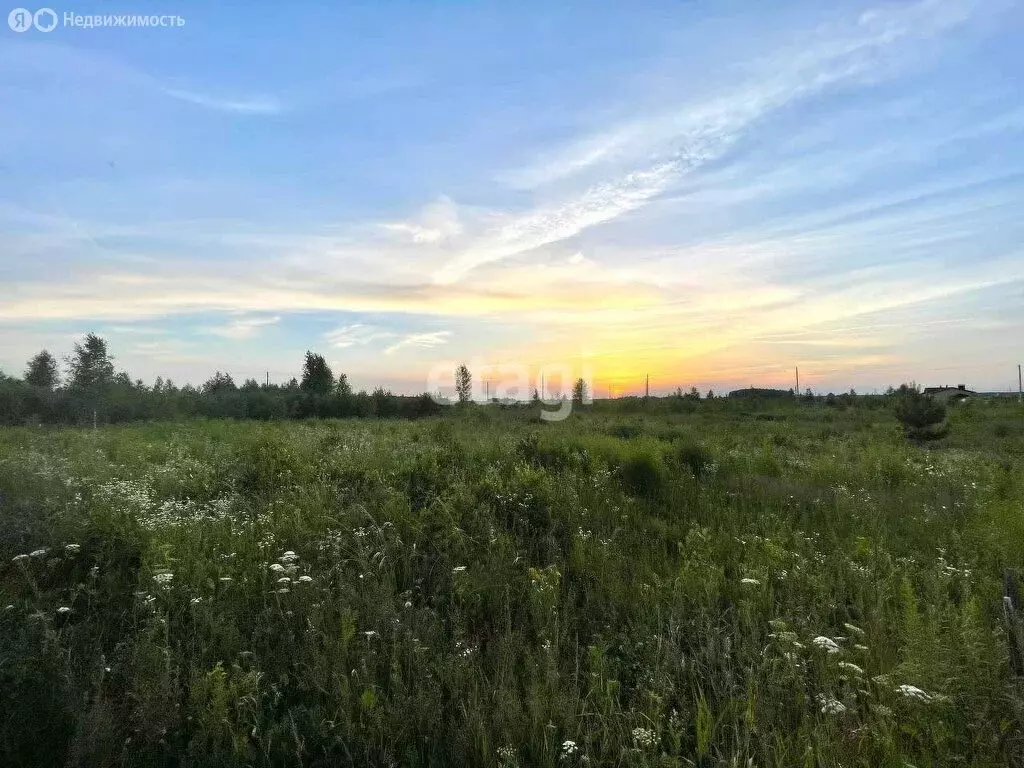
(946, 394)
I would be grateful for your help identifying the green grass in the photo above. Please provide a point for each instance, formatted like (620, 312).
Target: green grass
(482, 589)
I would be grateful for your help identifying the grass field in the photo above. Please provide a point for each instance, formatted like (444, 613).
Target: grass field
(792, 586)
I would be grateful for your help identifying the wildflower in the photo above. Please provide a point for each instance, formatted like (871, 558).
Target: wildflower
(163, 577)
(458, 569)
(830, 705)
(305, 579)
(196, 600)
(287, 556)
(284, 580)
(860, 647)
(370, 633)
(506, 754)
(855, 630)
(850, 667)
(225, 579)
(38, 553)
(408, 604)
(913, 692)
(72, 548)
(645, 737)
(569, 749)
(753, 582)
(63, 609)
(19, 558)
(276, 567)
(283, 591)
(826, 643)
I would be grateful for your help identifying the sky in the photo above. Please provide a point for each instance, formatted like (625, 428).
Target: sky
(706, 193)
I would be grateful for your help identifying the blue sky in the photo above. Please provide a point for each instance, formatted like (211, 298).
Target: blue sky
(709, 193)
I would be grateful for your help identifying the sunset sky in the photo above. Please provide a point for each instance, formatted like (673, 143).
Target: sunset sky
(708, 193)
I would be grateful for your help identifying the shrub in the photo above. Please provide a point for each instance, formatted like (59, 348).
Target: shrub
(922, 417)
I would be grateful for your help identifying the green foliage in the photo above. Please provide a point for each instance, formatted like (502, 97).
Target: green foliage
(922, 417)
(90, 367)
(317, 378)
(647, 587)
(463, 384)
(42, 371)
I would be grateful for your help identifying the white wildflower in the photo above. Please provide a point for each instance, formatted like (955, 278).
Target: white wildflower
(458, 569)
(913, 692)
(283, 591)
(753, 582)
(850, 667)
(72, 548)
(645, 737)
(284, 580)
(305, 579)
(163, 577)
(826, 644)
(408, 604)
(63, 609)
(38, 553)
(276, 567)
(830, 705)
(855, 630)
(225, 579)
(19, 558)
(196, 600)
(569, 749)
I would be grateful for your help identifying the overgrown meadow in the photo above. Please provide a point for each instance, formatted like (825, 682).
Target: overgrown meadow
(781, 586)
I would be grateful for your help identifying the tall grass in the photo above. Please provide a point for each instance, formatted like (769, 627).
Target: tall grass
(691, 589)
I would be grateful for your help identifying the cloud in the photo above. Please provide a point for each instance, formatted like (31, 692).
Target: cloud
(437, 223)
(431, 339)
(356, 334)
(243, 328)
(643, 159)
(262, 105)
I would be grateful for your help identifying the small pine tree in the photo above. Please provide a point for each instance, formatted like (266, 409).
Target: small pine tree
(922, 417)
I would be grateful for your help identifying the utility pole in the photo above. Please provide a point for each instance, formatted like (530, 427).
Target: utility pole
(268, 378)
(542, 387)
(1020, 385)
(647, 387)
(798, 379)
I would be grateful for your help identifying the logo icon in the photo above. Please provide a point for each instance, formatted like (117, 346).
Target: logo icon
(22, 20)
(45, 19)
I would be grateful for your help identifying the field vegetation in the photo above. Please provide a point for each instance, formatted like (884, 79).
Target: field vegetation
(673, 583)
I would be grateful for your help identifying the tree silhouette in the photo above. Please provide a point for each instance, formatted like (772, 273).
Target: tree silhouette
(463, 384)
(90, 367)
(317, 377)
(579, 392)
(42, 371)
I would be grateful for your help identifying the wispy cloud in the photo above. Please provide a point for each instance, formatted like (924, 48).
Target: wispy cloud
(431, 339)
(244, 328)
(261, 105)
(660, 149)
(356, 334)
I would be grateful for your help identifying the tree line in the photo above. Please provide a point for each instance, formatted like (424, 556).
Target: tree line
(91, 390)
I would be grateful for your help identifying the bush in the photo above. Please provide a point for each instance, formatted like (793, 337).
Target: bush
(922, 417)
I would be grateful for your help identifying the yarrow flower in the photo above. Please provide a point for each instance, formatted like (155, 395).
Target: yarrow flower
(163, 577)
(64, 609)
(305, 579)
(276, 567)
(913, 692)
(753, 582)
(72, 548)
(458, 569)
(830, 705)
(19, 558)
(38, 553)
(645, 737)
(569, 749)
(826, 644)
(851, 667)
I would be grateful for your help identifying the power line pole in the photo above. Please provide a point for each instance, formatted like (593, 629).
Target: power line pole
(798, 379)
(1020, 385)
(647, 387)
(268, 378)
